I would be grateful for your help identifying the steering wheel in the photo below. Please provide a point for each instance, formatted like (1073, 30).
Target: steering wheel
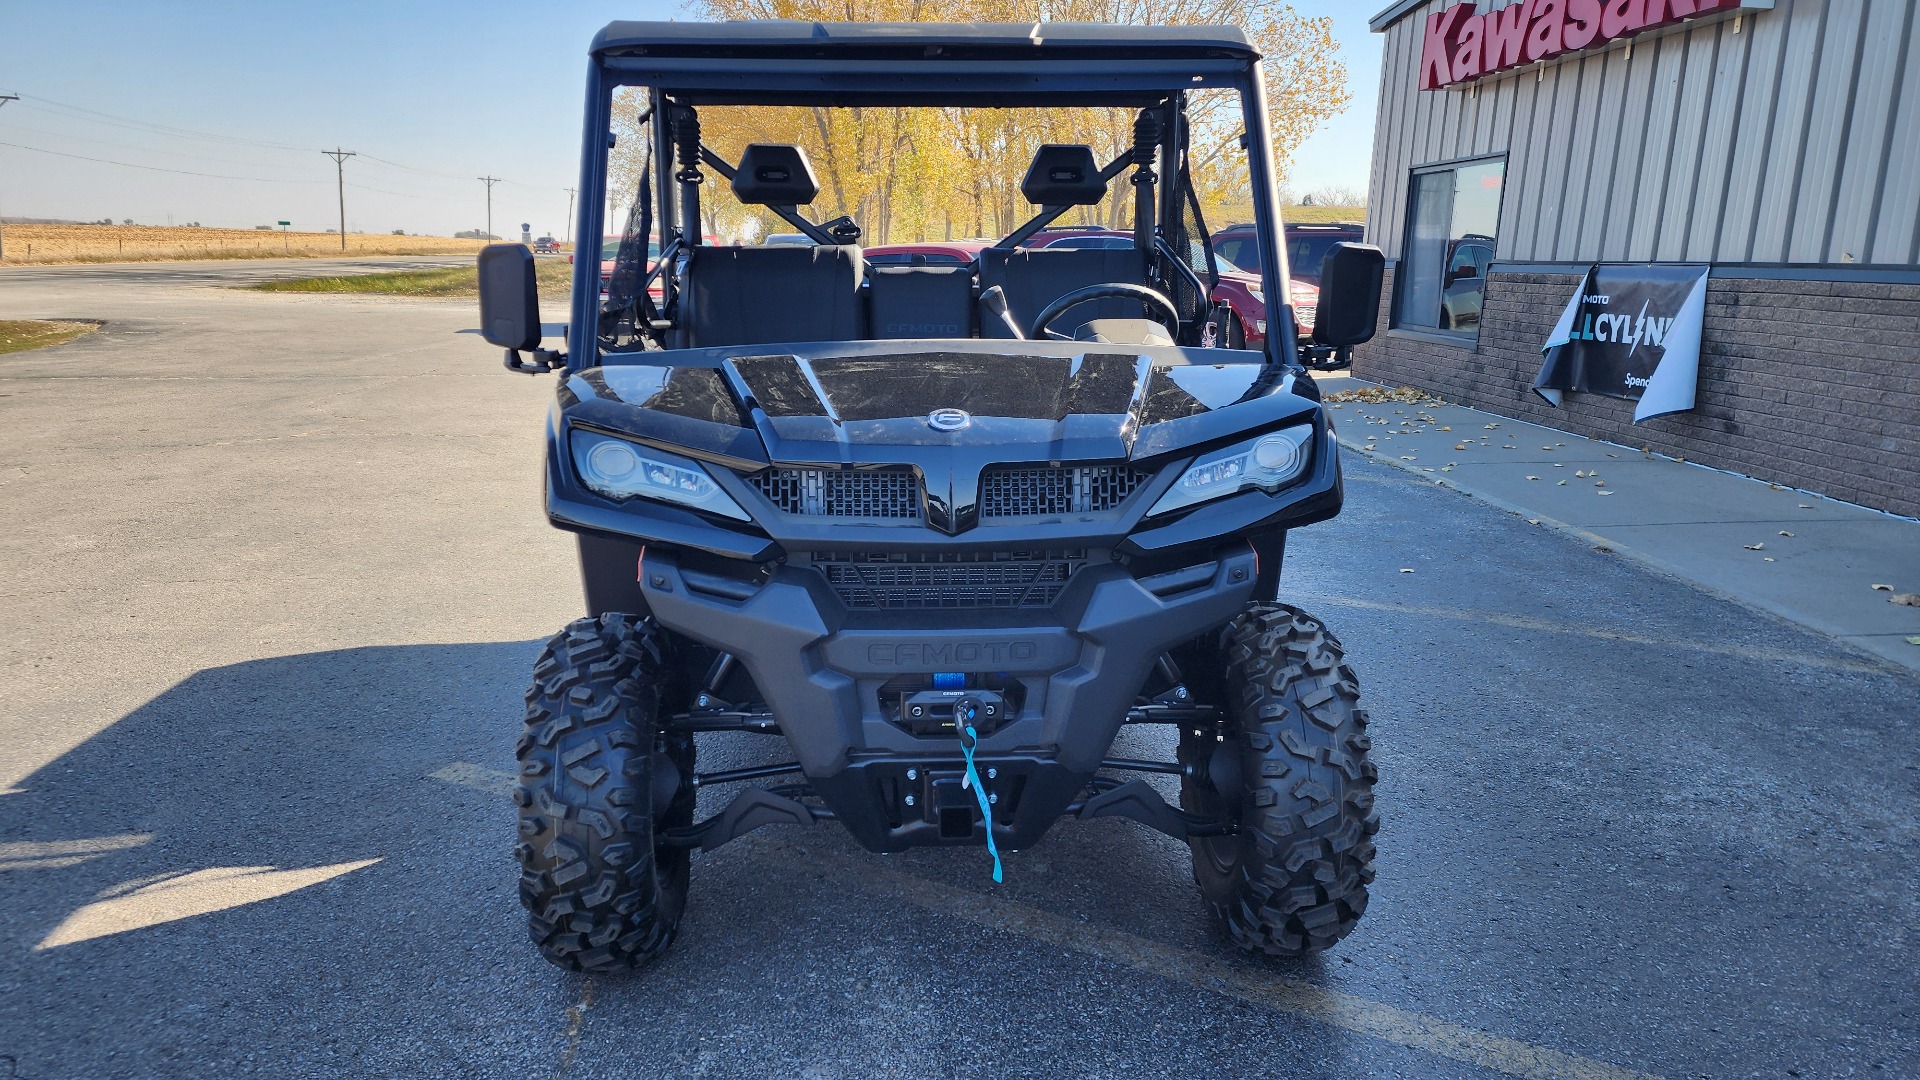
(1120, 289)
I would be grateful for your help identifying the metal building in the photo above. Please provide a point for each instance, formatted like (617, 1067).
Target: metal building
(1777, 141)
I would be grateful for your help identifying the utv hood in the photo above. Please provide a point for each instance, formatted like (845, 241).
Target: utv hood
(885, 407)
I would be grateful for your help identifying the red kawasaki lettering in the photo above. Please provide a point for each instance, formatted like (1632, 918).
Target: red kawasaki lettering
(1543, 36)
(1583, 23)
(1436, 48)
(1507, 37)
(1621, 17)
(1468, 60)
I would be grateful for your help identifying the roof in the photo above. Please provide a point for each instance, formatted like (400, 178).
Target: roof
(796, 38)
(1392, 15)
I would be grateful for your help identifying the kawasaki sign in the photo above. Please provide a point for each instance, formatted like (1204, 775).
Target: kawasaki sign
(1462, 44)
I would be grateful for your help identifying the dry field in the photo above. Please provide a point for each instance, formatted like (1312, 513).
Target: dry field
(127, 243)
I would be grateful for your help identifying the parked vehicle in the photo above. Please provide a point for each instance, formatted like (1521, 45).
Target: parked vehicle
(1307, 245)
(943, 529)
(1465, 281)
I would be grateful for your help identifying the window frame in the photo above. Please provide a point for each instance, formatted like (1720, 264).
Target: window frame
(1403, 265)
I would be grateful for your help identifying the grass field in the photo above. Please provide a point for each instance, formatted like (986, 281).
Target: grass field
(41, 244)
(19, 335)
(554, 275)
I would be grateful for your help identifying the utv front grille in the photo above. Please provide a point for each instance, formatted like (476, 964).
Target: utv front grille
(853, 493)
(1061, 489)
(996, 579)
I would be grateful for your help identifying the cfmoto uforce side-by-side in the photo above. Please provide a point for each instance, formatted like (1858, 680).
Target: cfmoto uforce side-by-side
(945, 527)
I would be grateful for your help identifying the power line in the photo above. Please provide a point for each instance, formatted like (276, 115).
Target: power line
(127, 146)
(36, 101)
(340, 157)
(157, 168)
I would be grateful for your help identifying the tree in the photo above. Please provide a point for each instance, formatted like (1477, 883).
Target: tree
(921, 174)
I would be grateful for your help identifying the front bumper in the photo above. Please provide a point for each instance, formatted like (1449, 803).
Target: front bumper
(1077, 665)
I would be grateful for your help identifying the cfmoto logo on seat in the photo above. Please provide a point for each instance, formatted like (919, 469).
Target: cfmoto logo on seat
(948, 419)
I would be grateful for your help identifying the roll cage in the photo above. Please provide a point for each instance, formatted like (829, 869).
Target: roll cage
(685, 66)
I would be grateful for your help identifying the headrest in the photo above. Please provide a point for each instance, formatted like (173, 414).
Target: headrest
(773, 175)
(1063, 176)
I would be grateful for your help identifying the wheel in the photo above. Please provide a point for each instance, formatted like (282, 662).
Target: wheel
(599, 783)
(1289, 767)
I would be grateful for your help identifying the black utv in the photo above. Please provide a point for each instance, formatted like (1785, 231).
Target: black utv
(942, 525)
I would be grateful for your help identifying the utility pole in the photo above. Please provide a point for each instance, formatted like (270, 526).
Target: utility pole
(489, 181)
(4, 98)
(568, 224)
(340, 157)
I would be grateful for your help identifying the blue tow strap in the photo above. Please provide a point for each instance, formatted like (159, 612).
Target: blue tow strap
(967, 741)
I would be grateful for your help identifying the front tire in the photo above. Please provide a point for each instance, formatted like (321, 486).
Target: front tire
(599, 783)
(1290, 767)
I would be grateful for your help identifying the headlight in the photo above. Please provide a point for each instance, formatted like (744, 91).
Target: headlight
(619, 469)
(1267, 463)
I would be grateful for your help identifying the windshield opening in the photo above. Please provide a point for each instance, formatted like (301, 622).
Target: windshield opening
(918, 220)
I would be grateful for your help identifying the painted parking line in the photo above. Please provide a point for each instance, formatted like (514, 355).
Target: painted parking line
(1402, 1027)
(1523, 622)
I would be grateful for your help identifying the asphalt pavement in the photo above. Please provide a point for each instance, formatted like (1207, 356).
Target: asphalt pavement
(276, 573)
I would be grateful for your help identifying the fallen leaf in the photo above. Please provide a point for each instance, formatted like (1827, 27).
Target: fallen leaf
(1776, 487)
(1562, 483)
(1756, 547)
(1784, 532)
(1459, 446)
(1444, 427)
(1766, 558)
(1549, 448)
(1905, 599)
(1533, 521)
(1581, 473)
(1603, 493)
(1806, 506)
(1913, 641)
(1406, 569)
(1613, 455)
(1490, 427)
(1533, 478)
(1404, 457)
(1883, 588)
(1599, 483)
(1557, 465)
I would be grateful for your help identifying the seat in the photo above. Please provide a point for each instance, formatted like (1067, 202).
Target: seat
(758, 295)
(920, 301)
(1034, 279)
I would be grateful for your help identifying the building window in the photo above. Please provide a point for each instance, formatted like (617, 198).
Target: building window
(1452, 213)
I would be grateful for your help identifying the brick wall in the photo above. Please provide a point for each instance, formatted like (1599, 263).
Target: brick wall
(1811, 384)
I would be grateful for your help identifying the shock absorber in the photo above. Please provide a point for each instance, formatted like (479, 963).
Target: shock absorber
(1147, 130)
(686, 138)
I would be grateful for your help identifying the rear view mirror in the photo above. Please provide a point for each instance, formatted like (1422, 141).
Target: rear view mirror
(1350, 280)
(509, 301)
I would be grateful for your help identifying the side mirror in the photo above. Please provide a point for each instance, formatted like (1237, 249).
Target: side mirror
(509, 300)
(1350, 280)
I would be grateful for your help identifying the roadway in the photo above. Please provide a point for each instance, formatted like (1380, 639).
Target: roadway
(276, 573)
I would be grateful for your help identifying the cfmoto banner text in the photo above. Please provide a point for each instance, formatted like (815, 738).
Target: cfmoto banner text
(1629, 332)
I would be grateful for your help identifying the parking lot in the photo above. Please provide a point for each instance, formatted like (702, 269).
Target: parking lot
(276, 573)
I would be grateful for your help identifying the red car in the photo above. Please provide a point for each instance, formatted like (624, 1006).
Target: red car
(1238, 289)
(610, 252)
(931, 253)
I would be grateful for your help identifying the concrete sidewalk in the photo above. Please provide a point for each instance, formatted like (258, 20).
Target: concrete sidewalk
(1804, 557)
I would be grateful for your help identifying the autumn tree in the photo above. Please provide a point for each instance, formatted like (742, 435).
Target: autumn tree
(922, 173)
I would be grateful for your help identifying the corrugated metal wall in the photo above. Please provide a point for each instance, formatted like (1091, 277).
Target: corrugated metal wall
(1793, 138)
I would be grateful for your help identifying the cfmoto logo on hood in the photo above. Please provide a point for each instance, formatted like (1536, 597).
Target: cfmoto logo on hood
(948, 419)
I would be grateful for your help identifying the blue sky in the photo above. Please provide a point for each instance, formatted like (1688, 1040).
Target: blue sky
(441, 93)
